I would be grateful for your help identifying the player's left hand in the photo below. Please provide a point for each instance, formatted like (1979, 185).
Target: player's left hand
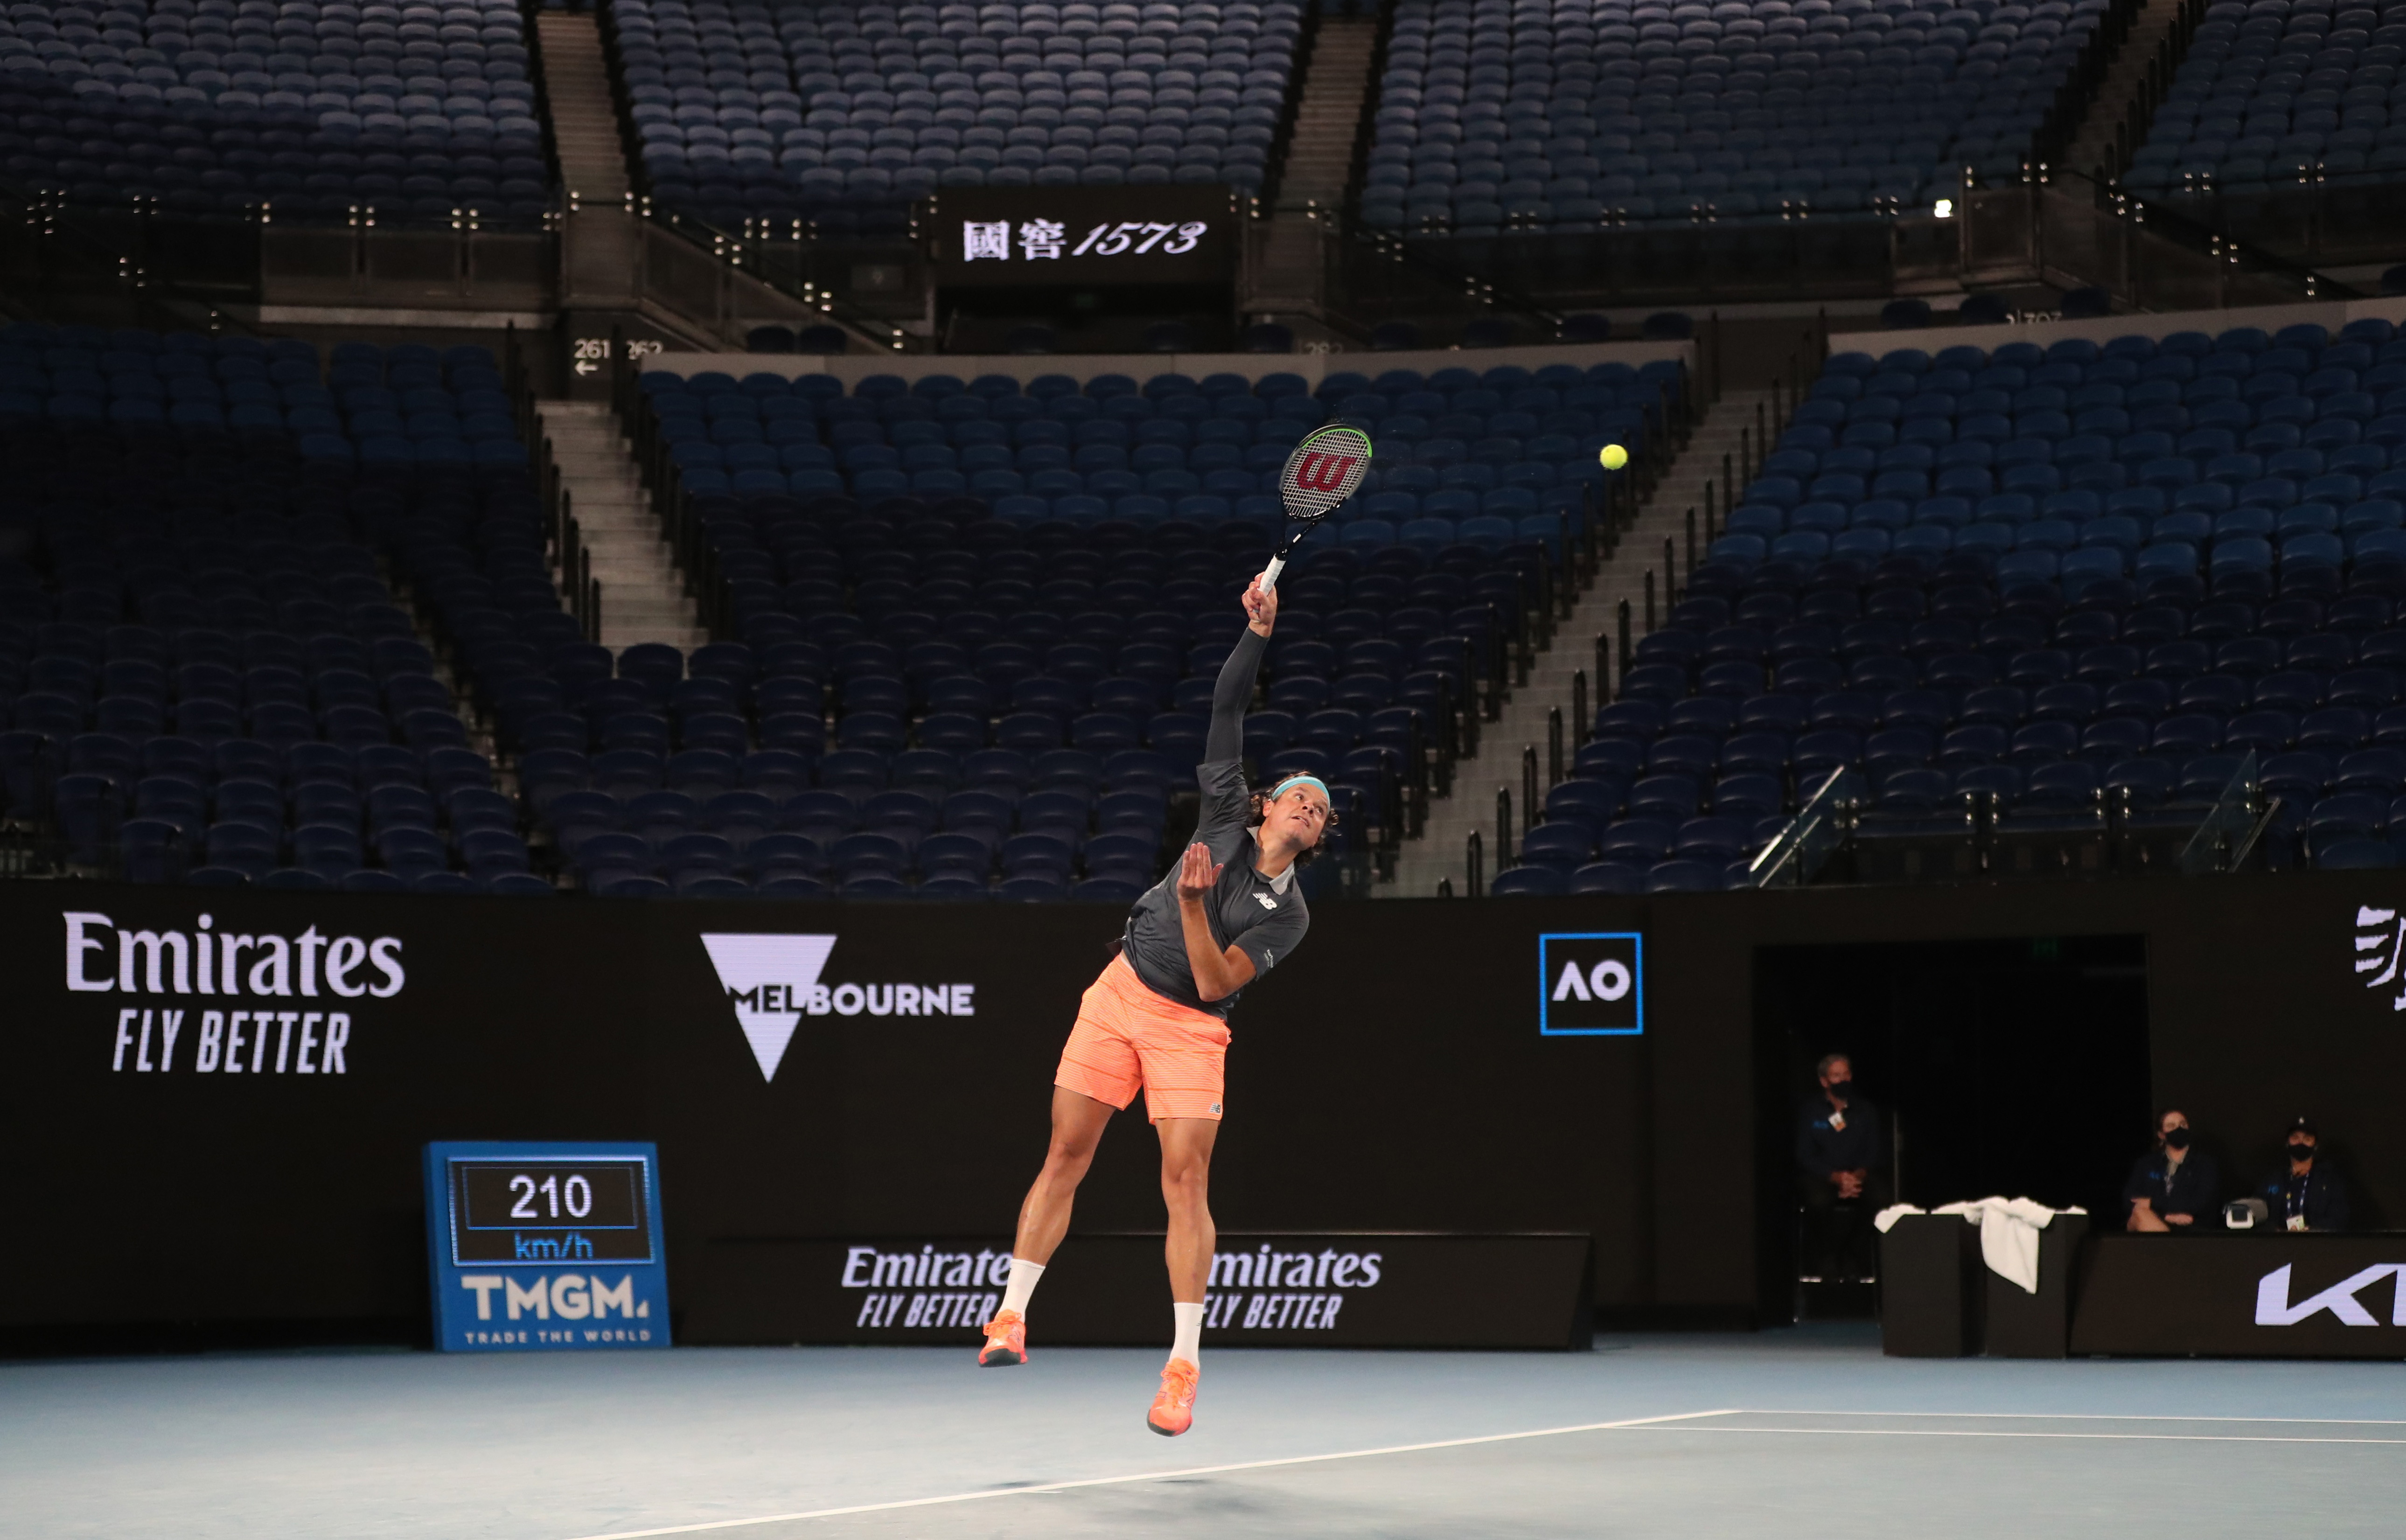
(1196, 875)
(1261, 607)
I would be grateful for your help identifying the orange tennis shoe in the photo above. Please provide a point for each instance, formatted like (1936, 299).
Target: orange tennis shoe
(1173, 1409)
(1006, 1340)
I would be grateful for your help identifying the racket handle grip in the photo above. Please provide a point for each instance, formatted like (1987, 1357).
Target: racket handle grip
(1271, 573)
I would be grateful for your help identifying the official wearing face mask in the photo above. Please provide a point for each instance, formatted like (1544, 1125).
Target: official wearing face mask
(1841, 1173)
(2307, 1194)
(2174, 1188)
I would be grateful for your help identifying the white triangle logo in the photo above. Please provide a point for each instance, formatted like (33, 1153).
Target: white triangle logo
(748, 966)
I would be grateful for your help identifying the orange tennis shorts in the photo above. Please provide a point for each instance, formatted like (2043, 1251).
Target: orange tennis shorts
(1128, 1037)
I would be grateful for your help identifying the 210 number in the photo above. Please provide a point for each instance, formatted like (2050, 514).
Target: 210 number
(576, 1192)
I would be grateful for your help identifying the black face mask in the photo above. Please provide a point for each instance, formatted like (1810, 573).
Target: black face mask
(2301, 1151)
(1842, 1089)
(2176, 1139)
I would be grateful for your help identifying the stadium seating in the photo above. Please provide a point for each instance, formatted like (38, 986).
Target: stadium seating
(2275, 94)
(207, 679)
(1493, 116)
(1013, 601)
(842, 114)
(932, 686)
(206, 108)
(206, 676)
(2082, 581)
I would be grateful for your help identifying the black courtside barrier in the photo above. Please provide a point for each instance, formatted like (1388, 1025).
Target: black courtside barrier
(213, 1141)
(2269, 1294)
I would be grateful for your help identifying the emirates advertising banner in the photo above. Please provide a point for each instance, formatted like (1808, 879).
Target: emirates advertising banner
(1270, 1290)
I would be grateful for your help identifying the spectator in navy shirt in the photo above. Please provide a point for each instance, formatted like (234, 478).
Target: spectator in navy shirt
(1841, 1173)
(2173, 1189)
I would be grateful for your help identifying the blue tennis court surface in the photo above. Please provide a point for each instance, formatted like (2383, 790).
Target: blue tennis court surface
(1802, 1433)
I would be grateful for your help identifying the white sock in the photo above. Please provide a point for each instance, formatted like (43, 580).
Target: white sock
(1188, 1343)
(1023, 1275)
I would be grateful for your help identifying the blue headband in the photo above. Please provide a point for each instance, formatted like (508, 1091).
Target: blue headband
(1294, 780)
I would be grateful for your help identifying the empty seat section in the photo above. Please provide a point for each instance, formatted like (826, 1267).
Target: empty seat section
(305, 111)
(1599, 113)
(843, 114)
(2107, 580)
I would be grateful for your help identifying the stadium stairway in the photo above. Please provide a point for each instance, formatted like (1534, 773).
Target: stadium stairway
(584, 120)
(1727, 425)
(603, 238)
(644, 597)
(1336, 88)
(2126, 75)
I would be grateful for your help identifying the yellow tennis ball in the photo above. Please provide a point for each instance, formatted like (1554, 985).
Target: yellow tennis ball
(1614, 457)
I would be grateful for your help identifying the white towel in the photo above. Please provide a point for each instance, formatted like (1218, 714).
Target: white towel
(1890, 1215)
(2009, 1230)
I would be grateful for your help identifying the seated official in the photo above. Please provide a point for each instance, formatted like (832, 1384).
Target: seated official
(2173, 1189)
(2309, 1195)
(1841, 1173)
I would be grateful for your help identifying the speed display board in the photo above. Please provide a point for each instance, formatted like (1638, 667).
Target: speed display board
(1083, 237)
(545, 1246)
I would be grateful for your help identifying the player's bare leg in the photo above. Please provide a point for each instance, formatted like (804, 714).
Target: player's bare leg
(1185, 1191)
(1078, 1123)
(1044, 1217)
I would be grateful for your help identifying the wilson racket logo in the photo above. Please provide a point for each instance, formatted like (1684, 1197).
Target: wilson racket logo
(1319, 473)
(1324, 470)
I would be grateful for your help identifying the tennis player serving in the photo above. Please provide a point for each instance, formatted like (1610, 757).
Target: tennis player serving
(1156, 1018)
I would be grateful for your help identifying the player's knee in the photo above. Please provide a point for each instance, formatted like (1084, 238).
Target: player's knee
(1185, 1180)
(1069, 1157)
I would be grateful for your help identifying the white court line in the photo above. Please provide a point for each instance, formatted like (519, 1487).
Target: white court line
(1684, 1421)
(1148, 1476)
(2098, 1417)
(1995, 1433)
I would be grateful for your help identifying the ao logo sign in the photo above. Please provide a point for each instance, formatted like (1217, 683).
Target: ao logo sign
(773, 982)
(1592, 984)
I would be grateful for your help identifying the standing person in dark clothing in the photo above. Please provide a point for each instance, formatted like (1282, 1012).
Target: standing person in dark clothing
(1841, 1172)
(2308, 1195)
(1157, 1019)
(2173, 1189)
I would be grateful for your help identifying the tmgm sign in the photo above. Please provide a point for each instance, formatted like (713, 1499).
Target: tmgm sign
(544, 1247)
(1592, 984)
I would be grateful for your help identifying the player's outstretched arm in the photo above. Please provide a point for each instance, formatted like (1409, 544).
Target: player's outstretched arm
(1234, 691)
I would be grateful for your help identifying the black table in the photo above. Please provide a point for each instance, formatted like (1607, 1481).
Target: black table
(1938, 1299)
(2274, 1293)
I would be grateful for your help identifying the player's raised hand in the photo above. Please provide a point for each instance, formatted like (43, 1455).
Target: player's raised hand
(1196, 875)
(1261, 607)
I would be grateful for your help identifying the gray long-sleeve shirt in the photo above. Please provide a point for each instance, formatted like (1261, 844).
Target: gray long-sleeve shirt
(1264, 918)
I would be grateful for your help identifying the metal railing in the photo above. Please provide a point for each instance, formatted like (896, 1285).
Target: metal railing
(1811, 837)
(2227, 834)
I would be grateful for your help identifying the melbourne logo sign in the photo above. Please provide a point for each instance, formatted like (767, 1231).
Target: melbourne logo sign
(1592, 984)
(773, 982)
(208, 1001)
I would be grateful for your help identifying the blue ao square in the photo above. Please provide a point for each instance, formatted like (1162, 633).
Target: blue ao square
(1590, 984)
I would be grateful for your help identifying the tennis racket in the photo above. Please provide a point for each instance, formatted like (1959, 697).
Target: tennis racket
(1325, 469)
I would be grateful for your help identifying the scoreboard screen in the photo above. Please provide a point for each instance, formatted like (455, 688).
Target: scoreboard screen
(545, 1246)
(564, 1210)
